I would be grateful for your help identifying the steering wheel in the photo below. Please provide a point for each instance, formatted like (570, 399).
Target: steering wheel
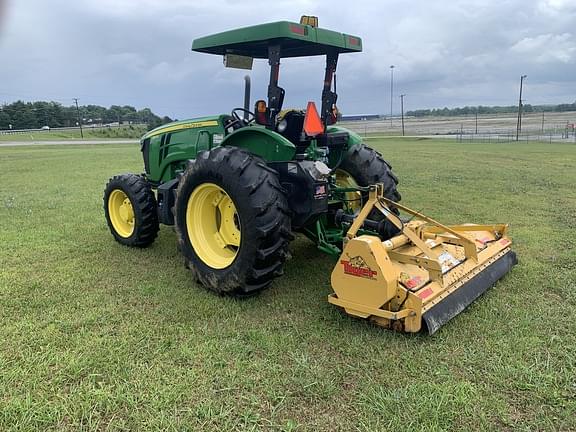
(241, 120)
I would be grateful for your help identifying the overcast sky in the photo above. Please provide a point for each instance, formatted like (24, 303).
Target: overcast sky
(137, 52)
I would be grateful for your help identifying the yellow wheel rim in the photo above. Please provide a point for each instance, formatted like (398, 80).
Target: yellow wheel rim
(121, 213)
(213, 225)
(353, 199)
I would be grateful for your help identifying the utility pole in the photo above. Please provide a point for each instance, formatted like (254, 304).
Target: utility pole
(476, 120)
(391, 91)
(402, 110)
(78, 116)
(542, 130)
(519, 123)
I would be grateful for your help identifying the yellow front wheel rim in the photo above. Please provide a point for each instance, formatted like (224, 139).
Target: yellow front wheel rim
(213, 225)
(121, 213)
(353, 199)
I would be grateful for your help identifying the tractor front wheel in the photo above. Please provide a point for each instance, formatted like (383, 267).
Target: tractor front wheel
(131, 210)
(232, 221)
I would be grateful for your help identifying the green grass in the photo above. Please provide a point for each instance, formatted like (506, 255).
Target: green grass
(96, 336)
(124, 132)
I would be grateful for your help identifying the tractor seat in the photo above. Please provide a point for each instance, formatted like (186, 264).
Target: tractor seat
(294, 122)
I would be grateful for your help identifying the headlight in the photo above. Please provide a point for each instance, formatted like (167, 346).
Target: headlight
(282, 126)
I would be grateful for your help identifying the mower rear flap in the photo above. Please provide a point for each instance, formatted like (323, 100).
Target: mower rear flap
(455, 303)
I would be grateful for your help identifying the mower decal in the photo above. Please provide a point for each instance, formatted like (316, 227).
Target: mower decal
(410, 282)
(505, 242)
(425, 293)
(447, 261)
(356, 266)
(484, 240)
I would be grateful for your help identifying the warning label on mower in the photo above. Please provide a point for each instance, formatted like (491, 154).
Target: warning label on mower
(356, 266)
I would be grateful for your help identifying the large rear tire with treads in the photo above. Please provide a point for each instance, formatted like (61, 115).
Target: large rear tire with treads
(232, 221)
(367, 167)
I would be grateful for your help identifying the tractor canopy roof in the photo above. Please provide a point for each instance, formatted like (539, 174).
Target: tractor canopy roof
(295, 40)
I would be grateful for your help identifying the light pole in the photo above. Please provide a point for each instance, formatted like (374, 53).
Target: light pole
(78, 116)
(519, 123)
(476, 121)
(402, 110)
(391, 92)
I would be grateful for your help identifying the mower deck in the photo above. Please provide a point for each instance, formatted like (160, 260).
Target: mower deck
(424, 276)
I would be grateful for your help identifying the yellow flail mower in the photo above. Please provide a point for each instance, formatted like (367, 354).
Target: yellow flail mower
(422, 277)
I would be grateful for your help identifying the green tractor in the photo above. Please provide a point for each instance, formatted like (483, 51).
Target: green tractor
(238, 186)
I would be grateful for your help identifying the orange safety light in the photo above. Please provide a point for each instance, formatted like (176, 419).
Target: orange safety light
(312, 123)
(312, 21)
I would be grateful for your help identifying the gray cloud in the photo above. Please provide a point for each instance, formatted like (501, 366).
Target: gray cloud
(446, 53)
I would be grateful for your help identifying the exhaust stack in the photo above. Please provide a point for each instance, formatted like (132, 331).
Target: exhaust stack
(246, 96)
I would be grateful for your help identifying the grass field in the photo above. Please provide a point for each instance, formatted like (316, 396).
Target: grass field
(135, 131)
(96, 336)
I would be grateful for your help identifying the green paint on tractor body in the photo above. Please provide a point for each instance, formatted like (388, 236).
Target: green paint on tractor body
(169, 147)
(305, 163)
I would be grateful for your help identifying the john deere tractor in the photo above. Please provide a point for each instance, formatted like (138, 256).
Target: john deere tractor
(238, 186)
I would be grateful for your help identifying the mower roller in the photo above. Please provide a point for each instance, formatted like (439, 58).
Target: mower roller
(237, 187)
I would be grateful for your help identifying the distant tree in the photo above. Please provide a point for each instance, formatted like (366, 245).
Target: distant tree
(33, 115)
(4, 120)
(467, 110)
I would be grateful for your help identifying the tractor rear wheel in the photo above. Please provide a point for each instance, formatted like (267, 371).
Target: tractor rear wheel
(232, 221)
(131, 210)
(366, 167)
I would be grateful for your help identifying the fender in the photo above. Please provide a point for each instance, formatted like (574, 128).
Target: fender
(269, 145)
(353, 137)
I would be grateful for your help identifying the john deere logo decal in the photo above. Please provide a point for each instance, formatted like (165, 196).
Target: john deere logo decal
(356, 266)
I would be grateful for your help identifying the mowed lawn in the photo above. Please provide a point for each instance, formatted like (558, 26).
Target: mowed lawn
(96, 336)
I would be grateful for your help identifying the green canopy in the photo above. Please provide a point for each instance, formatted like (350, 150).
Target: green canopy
(295, 40)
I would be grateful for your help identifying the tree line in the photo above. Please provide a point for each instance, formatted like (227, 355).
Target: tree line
(35, 115)
(467, 110)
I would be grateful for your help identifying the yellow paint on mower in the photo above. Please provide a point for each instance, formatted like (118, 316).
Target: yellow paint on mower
(422, 277)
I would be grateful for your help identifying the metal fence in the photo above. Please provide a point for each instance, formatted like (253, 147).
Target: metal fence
(464, 132)
(64, 129)
(511, 138)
